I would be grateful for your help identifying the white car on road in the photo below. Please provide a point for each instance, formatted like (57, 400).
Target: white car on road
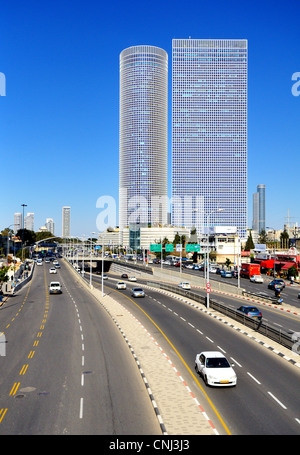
(52, 270)
(185, 285)
(256, 279)
(132, 278)
(121, 285)
(215, 369)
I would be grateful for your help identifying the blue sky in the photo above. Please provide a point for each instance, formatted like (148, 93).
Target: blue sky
(59, 120)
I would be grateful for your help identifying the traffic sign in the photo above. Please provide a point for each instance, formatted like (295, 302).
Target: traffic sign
(208, 290)
(169, 247)
(208, 285)
(189, 247)
(155, 247)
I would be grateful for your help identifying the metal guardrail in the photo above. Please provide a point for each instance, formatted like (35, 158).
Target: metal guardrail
(279, 336)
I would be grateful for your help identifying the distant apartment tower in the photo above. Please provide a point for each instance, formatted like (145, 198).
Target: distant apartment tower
(259, 209)
(209, 133)
(143, 136)
(50, 225)
(17, 222)
(29, 222)
(66, 221)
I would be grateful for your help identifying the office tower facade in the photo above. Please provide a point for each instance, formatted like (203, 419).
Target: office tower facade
(66, 221)
(259, 209)
(143, 144)
(209, 133)
(17, 222)
(50, 225)
(29, 222)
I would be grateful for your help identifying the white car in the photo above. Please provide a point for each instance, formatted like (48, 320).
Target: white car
(215, 369)
(121, 285)
(55, 287)
(185, 285)
(256, 279)
(132, 278)
(39, 262)
(52, 270)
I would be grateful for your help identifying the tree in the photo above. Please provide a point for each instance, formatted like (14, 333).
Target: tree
(262, 239)
(249, 244)
(3, 276)
(292, 271)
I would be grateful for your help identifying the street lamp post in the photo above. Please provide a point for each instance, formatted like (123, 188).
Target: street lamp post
(274, 253)
(207, 274)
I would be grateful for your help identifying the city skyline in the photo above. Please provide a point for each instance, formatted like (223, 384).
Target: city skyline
(59, 118)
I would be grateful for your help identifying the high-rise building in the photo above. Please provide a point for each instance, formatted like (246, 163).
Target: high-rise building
(17, 222)
(143, 136)
(66, 221)
(209, 133)
(50, 225)
(29, 221)
(259, 209)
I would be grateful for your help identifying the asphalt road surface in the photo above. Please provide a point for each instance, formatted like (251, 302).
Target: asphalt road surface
(66, 368)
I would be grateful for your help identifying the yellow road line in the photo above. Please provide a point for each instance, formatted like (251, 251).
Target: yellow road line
(14, 388)
(2, 414)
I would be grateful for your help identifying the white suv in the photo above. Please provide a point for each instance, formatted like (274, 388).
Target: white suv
(55, 287)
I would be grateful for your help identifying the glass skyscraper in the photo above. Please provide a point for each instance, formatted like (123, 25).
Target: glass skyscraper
(209, 133)
(259, 209)
(143, 136)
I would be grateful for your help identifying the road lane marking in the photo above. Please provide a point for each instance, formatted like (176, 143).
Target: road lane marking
(276, 399)
(23, 370)
(2, 413)
(254, 379)
(14, 388)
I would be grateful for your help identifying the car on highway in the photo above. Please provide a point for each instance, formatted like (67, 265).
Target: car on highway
(251, 311)
(105, 277)
(124, 275)
(138, 292)
(226, 274)
(39, 262)
(256, 279)
(121, 285)
(184, 285)
(132, 278)
(55, 287)
(52, 270)
(215, 369)
(276, 284)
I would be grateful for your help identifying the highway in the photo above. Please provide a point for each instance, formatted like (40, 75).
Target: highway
(266, 399)
(66, 369)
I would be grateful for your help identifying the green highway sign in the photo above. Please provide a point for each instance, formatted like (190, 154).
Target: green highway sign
(155, 248)
(169, 247)
(190, 247)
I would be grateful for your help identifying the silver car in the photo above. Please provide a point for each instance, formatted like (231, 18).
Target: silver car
(137, 292)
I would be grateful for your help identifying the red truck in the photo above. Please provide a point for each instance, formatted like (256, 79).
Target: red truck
(248, 270)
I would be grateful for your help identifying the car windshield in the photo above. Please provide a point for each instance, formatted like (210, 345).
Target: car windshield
(252, 309)
(138, 289)
(217, 362)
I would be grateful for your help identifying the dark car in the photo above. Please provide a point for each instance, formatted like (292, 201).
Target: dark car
(276, 284)
(124, 275)
(250, 311)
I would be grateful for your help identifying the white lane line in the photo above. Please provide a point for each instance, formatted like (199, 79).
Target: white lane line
(276, 399)
(81, 408)
(254, 379)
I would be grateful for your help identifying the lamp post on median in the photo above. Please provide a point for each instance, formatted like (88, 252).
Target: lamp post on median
(274, 252)
(207, 274)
